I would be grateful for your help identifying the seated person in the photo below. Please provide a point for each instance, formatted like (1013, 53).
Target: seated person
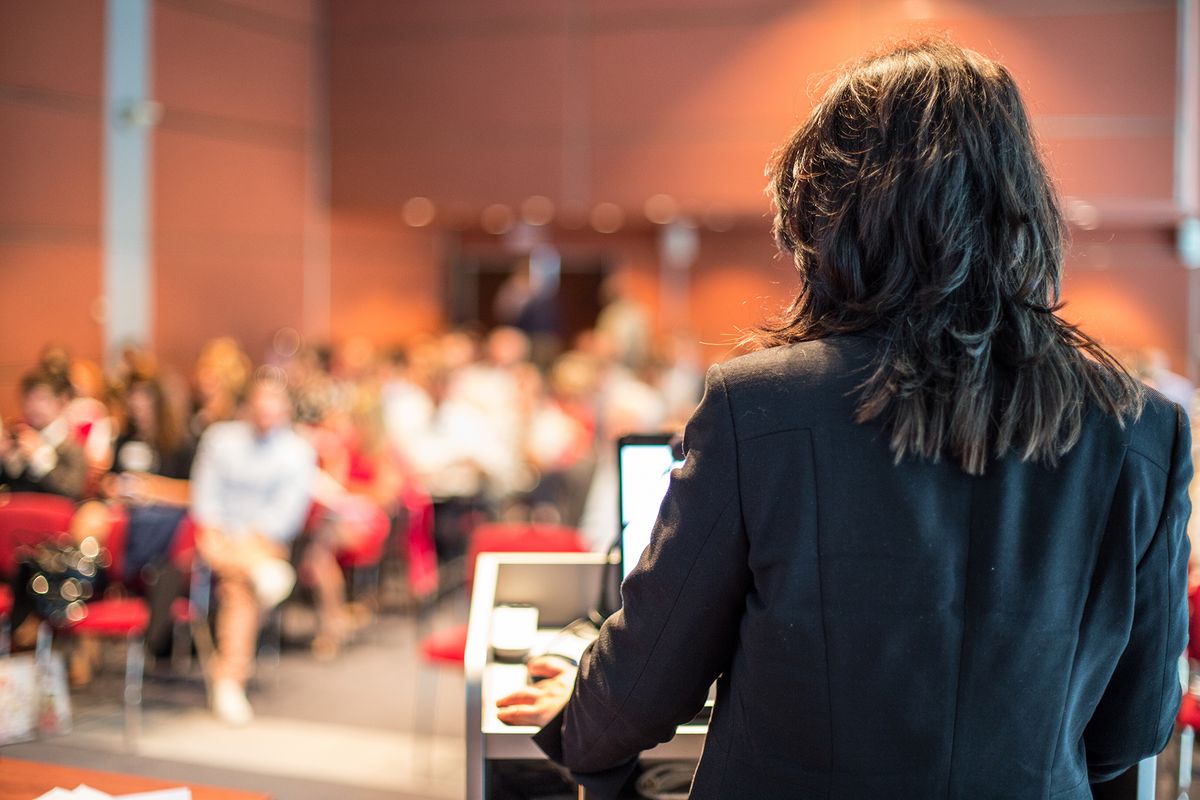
(38, 454)
(149, 481)
(251, 490)
(354, 486)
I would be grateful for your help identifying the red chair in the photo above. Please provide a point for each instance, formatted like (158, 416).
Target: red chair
(120, 618)
(5, 610)
(362, 558)
(26, 519)
(420, 550)
(448, 646)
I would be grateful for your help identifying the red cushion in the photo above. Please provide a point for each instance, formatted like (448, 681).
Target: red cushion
(448, 646)
(1189, 712)
(27, 519)
(119, 617)
(370, 526)
(5, 600)
(181, 609)
(521, 537)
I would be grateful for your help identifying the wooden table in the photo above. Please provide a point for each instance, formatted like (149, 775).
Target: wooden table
(25, 780)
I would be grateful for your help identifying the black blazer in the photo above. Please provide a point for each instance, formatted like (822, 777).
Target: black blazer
(883, 630)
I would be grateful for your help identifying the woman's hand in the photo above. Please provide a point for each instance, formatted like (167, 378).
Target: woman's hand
(540, 702)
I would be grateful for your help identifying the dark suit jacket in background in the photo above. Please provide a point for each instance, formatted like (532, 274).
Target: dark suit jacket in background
(892, 631)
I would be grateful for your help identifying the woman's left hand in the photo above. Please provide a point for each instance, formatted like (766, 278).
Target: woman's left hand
(540, 702)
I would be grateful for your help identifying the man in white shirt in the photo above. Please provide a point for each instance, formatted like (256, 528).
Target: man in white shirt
(251, 490)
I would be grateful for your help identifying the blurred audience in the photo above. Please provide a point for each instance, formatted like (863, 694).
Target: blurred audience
(297, 469)
(292, 470)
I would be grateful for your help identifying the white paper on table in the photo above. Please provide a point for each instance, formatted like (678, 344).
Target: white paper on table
(85, 792)
(57, 794)
(181, 793)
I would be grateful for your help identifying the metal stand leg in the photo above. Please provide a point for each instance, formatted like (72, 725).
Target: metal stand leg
(45, 638)
(1187, 740)
(181, 647)
(134, 666)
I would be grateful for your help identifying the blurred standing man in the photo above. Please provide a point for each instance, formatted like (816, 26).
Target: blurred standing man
(251, 490)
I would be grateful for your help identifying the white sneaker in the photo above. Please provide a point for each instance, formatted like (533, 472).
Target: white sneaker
(229, 703)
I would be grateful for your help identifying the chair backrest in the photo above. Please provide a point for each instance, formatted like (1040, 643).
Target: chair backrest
(27, 518)
(521, 537)
(419, 547)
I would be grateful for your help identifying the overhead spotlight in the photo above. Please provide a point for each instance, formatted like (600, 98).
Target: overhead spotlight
(537, 210)
(497, 219)
(418, 212)
(661, 209)
(607, 217)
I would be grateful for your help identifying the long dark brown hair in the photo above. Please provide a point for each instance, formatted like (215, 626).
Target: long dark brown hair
(168, 435)
(915, 205)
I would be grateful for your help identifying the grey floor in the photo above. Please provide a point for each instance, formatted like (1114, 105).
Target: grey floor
(371, 724)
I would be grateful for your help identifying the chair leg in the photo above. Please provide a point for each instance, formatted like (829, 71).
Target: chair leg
(5, 636)
(45, 642)
(181, 647)
(134, 666)
(1187, 740)
(272, 642)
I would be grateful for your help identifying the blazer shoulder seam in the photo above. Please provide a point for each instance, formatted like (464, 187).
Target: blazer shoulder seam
(1149, 458)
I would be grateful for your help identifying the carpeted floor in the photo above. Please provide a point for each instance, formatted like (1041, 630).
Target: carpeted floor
(343, 729)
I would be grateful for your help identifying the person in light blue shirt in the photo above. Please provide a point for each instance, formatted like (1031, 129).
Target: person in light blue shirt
(251, 487)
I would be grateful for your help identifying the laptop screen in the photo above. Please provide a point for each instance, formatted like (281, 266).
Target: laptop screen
(644, 464)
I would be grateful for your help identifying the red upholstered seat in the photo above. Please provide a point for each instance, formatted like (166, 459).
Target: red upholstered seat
(371, 527)
(5, 600)
(418, 544)
(181, 609)
(27, 518)
(1189, 712)
(521, 537)
(447, 647)
(117, 617)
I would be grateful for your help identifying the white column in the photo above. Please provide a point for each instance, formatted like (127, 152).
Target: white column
(129, 115)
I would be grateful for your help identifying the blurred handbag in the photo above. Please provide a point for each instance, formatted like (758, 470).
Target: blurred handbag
(59, 578)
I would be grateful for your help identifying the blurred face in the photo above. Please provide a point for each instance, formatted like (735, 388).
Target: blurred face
(41, 406)
(268, 407)
(140, 405)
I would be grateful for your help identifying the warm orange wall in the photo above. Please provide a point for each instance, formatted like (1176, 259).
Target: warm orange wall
(475, 103)
(386, 279)
(232, 167)
(50, 67)
(483, 102)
